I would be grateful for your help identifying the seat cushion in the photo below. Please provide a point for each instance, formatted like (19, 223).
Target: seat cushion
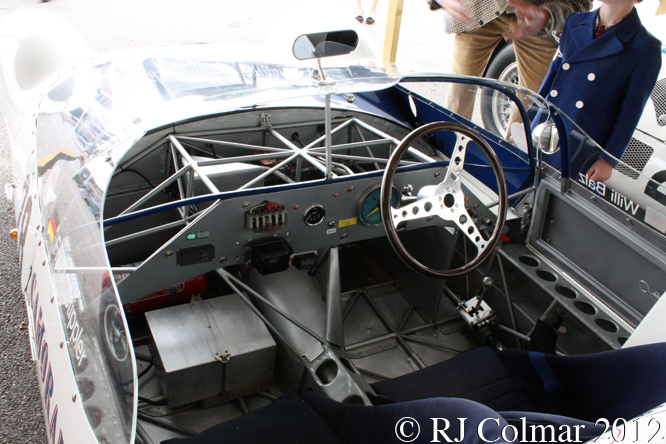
(418, 421)
(478, 375)
(620, 383)
(288, 420)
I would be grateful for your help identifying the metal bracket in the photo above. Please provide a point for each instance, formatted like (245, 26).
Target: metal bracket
(266, 121)
(475, 311)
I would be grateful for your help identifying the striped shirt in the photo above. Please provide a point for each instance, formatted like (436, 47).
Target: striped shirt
(484, 11)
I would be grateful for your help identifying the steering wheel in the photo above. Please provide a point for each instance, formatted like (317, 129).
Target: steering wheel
(447, 201)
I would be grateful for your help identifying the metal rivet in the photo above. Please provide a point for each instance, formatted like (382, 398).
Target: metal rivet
(331, 224)
(246, 205)
(438, 173)
(223, 260)
(168, 254)
(343, 237)
(350, 189)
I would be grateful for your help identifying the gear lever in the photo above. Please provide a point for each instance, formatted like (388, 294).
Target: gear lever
(486, 284)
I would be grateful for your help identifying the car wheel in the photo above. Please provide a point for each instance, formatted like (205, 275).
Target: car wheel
(495, 106)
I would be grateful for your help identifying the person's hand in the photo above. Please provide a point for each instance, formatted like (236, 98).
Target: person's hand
(600, 171)
(457, 10)
(530, 19)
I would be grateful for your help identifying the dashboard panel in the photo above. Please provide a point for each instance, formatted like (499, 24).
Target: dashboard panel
(320, 215)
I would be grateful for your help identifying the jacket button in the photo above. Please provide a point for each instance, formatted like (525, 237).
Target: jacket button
(591, 77)
(579, 104)
(566, 66)
(554, 93)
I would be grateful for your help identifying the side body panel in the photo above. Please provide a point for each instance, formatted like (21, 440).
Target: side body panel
(61, 399)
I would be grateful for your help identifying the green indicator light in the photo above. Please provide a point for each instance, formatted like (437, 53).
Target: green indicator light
(191, 236)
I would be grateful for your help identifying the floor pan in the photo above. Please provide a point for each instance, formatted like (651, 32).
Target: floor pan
(385, 338)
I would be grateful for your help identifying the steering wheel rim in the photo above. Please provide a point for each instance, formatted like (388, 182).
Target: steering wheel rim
(391, 218)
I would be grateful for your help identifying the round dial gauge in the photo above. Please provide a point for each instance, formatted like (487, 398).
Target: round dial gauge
(368, 205)
(314, 215)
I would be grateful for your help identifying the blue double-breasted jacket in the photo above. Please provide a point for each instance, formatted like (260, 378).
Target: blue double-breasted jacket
(603, 84)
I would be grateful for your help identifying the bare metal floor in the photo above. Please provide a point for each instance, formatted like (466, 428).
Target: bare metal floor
(384, 337)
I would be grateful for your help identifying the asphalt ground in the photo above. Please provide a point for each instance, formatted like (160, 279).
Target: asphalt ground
(123, 24)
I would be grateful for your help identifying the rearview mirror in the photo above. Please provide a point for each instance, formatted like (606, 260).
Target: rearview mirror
(546, 138)
(325, 44)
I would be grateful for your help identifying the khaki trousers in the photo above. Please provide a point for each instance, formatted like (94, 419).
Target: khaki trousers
(472, 51)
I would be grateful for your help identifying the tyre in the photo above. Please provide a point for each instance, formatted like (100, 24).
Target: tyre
(495, 106)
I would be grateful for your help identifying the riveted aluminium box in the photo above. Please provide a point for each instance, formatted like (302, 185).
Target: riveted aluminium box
(210, 347)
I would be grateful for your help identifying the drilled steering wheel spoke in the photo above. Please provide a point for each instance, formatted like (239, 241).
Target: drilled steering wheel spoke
(467, 226)
(455, 169)
(425, 207)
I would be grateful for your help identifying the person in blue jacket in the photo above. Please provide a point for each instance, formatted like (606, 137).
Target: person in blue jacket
(604, 71)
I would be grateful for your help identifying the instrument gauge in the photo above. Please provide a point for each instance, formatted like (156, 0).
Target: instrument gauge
(368, 205)
(314, 215)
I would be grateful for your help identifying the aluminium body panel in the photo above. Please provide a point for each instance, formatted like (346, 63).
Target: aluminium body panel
(210, 347)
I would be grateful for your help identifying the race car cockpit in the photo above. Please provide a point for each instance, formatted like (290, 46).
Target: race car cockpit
(315, 250)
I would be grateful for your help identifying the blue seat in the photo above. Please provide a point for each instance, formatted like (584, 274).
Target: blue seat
(288, 420)
(516, 387)
(615, 384)
(413, 420)
(478, 375)
(480, 424)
